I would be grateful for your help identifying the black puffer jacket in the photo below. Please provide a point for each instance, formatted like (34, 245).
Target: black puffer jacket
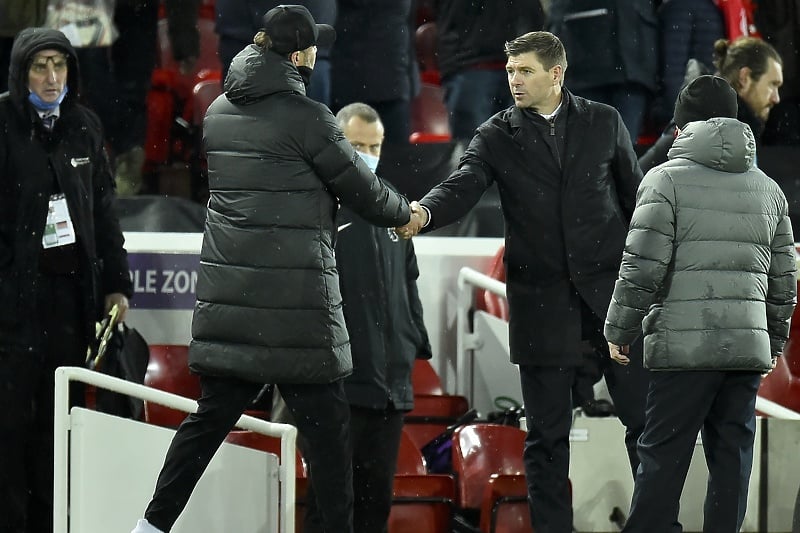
(709, 260)
(269, 308)
(32, 160)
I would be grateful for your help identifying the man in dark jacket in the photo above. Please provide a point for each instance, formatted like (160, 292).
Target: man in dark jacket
(755, 70)
(238, 20)
(709, 264)
(469, 45)
(378, 275)
(62, 261)
(613, 48)
(567, 176)
(269, 308)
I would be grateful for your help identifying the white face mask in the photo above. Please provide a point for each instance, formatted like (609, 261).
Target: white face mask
(369, 159)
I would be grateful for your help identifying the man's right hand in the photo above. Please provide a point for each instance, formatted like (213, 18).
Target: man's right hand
(419, 217)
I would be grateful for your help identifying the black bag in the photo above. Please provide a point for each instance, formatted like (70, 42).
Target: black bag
(127, 356)
(509, 414)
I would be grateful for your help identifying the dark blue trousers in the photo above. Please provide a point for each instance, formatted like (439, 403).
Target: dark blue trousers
(680, 404)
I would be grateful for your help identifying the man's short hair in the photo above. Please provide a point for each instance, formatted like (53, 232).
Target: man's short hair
(751, 52)
(547, 47)
(357, 109)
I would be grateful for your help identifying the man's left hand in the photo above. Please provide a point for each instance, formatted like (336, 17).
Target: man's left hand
(619, 353)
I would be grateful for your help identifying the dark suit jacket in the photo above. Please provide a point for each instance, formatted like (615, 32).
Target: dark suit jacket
(594, 199)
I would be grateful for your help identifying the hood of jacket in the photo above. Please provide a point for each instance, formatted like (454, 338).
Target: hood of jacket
(724, 144)
(255, 74)
(27, 43)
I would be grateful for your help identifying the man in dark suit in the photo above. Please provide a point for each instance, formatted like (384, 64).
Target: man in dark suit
(567, 176)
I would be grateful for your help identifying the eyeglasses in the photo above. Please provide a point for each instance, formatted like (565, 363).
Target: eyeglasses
(39, 66)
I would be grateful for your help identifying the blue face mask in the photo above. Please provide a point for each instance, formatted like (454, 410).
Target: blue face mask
(41, 105)
(370, 160)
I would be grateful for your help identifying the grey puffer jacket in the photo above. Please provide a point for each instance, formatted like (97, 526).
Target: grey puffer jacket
(709, 258)
(269, 307)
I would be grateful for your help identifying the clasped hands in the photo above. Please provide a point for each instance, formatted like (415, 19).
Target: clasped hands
(419, 218)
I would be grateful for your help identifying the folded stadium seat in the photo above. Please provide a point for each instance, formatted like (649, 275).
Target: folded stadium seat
(409, 458)
(782, 385)
(425, 43)
(504, 505)
(422, 504)
(429, 117)
(479, 451)
(266, 443)
(424, 378)
(169, 371)
(487, 301)
(433, 409)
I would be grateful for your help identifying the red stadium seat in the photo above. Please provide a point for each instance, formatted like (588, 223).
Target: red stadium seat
(481, 450)
(504, 505)
(425, 42)
(429, 117)
(422, 504)
(169, 371)
(490, 302)
(424, 378)
(782, 385)
(409, 458)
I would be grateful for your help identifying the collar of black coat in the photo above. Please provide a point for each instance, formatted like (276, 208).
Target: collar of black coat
(255, 74)
(574, 106)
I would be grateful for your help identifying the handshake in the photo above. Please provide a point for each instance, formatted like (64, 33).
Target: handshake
(419, 219)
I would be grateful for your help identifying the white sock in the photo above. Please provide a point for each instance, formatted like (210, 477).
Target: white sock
(143, 526)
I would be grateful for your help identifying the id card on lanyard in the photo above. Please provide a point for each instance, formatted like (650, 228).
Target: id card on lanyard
(58, 228)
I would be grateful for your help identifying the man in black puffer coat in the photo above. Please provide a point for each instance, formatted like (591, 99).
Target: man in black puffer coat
(269, 308)
(57, 275)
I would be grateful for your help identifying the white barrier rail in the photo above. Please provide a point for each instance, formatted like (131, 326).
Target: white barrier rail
(64, 375)
(470, 279)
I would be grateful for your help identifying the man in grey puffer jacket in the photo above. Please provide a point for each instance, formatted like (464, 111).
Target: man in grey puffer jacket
(709, 264)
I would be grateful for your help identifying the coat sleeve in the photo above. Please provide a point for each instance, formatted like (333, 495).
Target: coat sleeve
(645, 259)
(412, 274)
(347, 177)
(455, 196)
(115, 275)
(626, 171)
(781, 284)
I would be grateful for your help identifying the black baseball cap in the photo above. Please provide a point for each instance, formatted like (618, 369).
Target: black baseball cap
(292, 28)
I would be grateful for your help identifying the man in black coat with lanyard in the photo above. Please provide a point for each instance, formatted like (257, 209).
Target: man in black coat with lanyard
(62, 261)
(567, 176)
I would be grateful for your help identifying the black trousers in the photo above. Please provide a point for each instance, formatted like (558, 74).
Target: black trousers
(322, 417)
(375, 441)
(27, 382)
(547, 395)
(720, 405)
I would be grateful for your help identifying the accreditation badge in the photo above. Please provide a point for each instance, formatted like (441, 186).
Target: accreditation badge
(58, 228)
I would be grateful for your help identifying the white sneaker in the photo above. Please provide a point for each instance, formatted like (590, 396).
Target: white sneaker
(143, 526)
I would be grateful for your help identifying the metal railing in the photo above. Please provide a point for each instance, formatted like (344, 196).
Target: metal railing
(470, 279)
(64, 375)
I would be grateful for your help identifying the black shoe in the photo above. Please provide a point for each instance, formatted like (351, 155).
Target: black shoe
(598, 408)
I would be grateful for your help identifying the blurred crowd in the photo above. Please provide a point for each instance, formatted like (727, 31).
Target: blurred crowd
(632, 54)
